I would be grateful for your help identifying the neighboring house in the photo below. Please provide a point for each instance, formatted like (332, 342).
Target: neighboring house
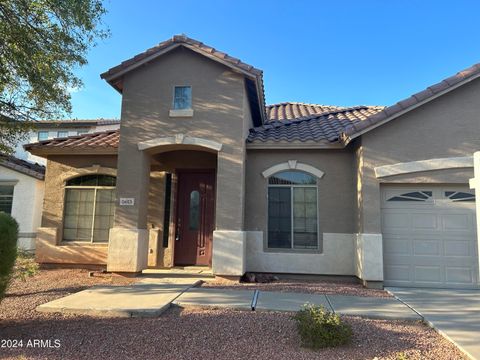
(201, 172)
(50, 129)
(21, 195)
(21, 175)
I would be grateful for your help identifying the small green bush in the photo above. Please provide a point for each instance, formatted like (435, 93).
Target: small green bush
(320, 328)
(8, 250)
(25, 266)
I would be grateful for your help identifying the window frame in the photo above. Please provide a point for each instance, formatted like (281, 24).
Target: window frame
(12, 185)
(292, 249)
(62, 131)
(95, 188)
(174, 98)
(43, 132)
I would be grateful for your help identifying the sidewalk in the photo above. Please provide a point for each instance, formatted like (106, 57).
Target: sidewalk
(153, 295)
(368, 307)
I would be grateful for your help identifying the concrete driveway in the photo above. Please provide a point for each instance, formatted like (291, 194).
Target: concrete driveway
(455, 313)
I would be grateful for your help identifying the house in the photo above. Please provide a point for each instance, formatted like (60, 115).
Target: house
(201, 172)
(22, 174)
(50, 129)
(21, 195)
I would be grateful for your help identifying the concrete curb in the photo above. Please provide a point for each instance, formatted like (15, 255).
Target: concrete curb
(432, 325)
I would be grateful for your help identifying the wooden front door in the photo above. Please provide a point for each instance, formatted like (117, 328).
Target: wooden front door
(195, 217)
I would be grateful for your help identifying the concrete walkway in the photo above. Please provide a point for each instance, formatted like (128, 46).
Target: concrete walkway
(454, 313)
(368, 307)
(154, 293)
(149, 297)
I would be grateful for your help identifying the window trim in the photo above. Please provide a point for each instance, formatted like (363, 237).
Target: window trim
(62, 131)
(95, 188)
(181, 112)
(319, 248)
(42, 131)
(12, 184)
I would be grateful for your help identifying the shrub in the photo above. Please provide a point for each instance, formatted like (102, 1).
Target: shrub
(320, 328)
(8, 250)
(25, 265)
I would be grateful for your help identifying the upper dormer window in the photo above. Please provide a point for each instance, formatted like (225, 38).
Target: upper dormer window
(182, 98)
(42, 135)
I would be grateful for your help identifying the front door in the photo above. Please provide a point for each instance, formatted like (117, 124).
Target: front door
(195, 217)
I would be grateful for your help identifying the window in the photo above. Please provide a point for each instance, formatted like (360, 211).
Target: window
(89, 208)
(6, 198)
(62, 134)
(42, 135)
(182, 98)
(460, 196)
(292, 211)
(413, 196)
(194, 211)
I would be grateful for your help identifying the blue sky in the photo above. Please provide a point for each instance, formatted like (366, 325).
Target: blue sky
(372, 52)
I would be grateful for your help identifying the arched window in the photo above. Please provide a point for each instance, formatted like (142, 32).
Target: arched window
(89, 208)
(292, 211)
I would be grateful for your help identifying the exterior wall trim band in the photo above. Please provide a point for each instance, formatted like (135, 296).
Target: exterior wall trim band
(424, 165)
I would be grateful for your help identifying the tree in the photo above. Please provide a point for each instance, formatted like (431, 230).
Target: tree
(42, 42)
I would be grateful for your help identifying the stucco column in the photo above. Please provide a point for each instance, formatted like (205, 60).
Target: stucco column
(229, 237)
(475, 184)
(128, 243)
(369, 240)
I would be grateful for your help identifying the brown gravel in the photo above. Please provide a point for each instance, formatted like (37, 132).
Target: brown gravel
(328, 287)
(190, 334)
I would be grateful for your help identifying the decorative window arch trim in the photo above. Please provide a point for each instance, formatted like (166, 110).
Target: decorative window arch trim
(292, 165)
(91, 170)
(180, 139)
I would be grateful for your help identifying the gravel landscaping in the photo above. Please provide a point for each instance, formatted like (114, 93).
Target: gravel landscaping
(190, 333)
(329, 287)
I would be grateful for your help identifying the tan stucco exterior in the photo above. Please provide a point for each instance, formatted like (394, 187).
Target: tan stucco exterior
(445, 127)
(154, 141)
(49, 245)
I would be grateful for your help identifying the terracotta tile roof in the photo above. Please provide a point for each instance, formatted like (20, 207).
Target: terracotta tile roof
(411, 102)
(182, 39)
(113, 75)
(75, 122)
(293, 110)
(327, 126)
(11, 162)
(100, 140)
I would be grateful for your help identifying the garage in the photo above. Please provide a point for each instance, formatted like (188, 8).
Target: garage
(429, 237)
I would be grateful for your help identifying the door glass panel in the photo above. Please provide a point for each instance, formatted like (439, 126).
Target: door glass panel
(194, 212)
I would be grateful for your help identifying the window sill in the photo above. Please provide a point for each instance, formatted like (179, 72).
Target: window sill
(83, 243)
(181, 113)
(293, 251)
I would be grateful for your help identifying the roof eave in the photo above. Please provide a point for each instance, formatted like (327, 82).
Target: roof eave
(44, 153)
(293, 145)
(348, 136)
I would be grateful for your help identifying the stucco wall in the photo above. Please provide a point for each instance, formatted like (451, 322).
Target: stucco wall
(50, 248)
(26, 205)
(335, 188)
(446, 127)
(218, 105)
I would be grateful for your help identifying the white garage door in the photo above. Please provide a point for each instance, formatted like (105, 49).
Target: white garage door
(429, 237)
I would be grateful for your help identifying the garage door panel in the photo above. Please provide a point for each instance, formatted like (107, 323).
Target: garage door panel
(400, 273)
(457, 222)
(457, 248)
(429, 247)
(424, 221)
(431, 242)
(397, 220)
(459, 275)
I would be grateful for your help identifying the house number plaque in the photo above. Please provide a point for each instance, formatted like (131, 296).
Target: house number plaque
(127, 201)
